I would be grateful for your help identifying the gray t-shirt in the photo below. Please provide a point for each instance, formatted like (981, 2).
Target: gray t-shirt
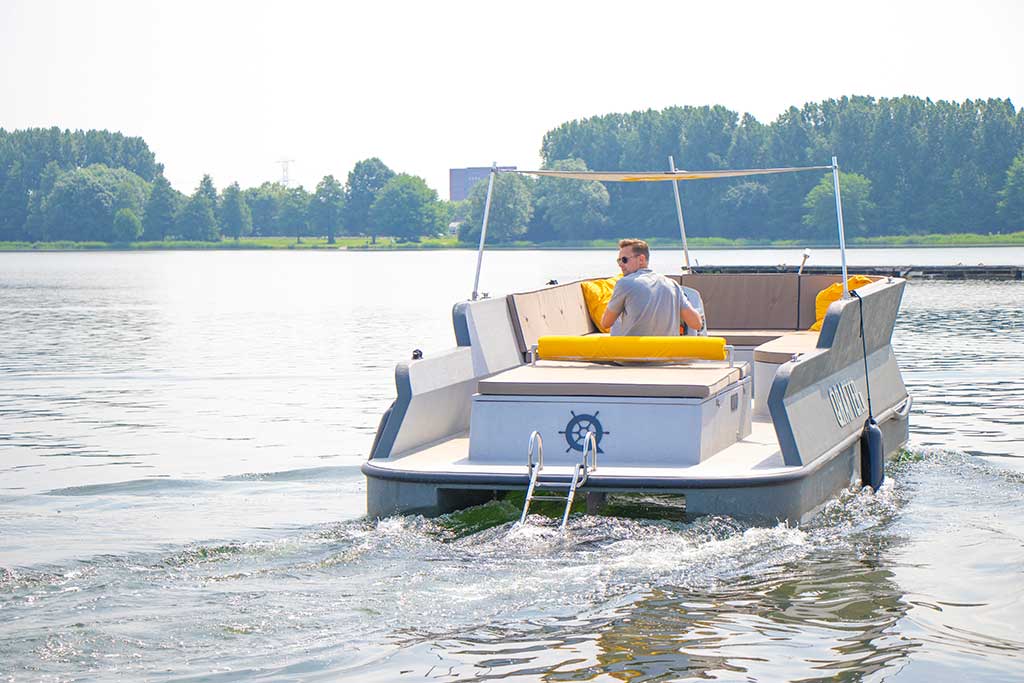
(648, 304)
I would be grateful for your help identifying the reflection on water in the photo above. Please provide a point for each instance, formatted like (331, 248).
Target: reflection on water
(180, 436)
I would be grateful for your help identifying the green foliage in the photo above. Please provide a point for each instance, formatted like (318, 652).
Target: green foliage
(293, 212)
(195, 220)
(235, 217)
(326, 207)
(511, 209)
(265, 205)
(82, 203)
(406, 208)
(938, 165)
(569, 209)
(742, 206)
(935, 167)
(161, 208)
(31, 160)
(365, 180)
(127, 226)
(820, 205)
(1011, 197)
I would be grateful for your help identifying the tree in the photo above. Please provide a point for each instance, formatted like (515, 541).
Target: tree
(83, 201)
(265, 204)
(127, 226)
(294, 212)
(161, 207)
(1011, 197)
(511, 209)
(406, 208)
(195, 220)
(820, 206)
(207, 189)
(365, 180)
(326, 207)
(743, 206)
(236, 219)
(574, 209)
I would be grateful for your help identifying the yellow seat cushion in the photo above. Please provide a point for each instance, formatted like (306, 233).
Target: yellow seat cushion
(833, 293)
(597, 294)
(630, 348)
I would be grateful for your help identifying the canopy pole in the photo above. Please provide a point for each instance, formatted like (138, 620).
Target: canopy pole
(839, 216)
(483, 231)
(679, 213)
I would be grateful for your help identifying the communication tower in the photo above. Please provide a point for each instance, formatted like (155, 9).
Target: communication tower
(285, 178)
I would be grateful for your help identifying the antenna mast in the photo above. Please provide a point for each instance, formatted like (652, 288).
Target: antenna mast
(285, 178)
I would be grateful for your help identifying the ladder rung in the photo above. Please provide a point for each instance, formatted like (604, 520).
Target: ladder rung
(536, 497)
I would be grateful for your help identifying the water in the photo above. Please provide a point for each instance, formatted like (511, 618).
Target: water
(180, 499)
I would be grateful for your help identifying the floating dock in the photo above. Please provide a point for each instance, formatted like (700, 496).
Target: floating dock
(979, 272)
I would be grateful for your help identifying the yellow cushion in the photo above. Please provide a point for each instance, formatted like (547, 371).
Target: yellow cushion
(833, 293)
(597, 293)
(630, 348)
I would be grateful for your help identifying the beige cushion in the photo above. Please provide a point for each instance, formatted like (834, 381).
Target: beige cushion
(781, 350)
(756, 301)
(559, 378)
(747, 337)
(557, 310)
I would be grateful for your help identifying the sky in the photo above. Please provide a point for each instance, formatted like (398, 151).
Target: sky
(233, 88)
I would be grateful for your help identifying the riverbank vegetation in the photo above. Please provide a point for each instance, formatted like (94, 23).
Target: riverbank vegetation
(915, 172)
(386, 242)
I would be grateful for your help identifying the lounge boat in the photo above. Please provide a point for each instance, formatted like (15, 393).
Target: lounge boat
(761, 419)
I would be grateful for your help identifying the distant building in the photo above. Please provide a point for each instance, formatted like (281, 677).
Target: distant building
(462, 180)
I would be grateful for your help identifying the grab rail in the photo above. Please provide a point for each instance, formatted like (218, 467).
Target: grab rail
(535, 442)
(589, 456)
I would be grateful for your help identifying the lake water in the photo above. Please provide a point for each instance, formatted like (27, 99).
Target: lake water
(180, 495)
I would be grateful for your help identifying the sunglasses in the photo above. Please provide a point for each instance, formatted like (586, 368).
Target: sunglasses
(625, 259)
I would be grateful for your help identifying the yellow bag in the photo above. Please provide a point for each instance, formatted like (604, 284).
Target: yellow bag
(597, 294)
(833, 293)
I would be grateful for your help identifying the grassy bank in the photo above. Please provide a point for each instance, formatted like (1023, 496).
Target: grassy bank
(1015, 239)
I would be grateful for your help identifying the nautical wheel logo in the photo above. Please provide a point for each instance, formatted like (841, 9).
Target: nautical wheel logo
(576, 431)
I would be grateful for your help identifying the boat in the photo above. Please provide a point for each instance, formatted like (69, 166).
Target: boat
(760, 419)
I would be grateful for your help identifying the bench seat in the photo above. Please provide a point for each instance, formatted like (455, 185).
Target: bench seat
(701, 380)
(739, 338)
(782, 349)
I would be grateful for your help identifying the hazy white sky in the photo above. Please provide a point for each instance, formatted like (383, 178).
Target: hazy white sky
(230, 88)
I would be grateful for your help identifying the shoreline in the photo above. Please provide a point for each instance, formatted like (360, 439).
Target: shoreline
(385, 244)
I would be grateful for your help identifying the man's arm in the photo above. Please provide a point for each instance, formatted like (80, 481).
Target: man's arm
(615, 306)
(690, 315)
(609, 318)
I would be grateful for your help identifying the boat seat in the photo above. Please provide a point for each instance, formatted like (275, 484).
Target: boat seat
(739, 338)
(782, 349)
(697, 379)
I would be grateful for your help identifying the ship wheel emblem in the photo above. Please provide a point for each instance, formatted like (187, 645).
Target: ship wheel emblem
(576, 431)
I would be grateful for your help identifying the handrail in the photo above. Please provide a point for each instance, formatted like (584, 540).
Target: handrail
(903, 410)
(589, 455)
(538, 442)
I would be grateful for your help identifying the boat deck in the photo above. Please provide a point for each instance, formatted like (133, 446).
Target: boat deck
(755, 456)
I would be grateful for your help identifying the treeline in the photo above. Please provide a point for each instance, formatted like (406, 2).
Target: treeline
(910, 166)
(916, 166)
(100, 186)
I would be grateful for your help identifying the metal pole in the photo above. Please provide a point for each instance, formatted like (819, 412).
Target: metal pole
(839, 216)
(679, 213)
(483, 231)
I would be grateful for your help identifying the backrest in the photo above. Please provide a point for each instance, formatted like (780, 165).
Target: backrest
(557, 310)
(810, 285)
(757, 301)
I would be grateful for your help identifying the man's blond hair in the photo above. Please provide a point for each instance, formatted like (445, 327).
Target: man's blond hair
(638, 247)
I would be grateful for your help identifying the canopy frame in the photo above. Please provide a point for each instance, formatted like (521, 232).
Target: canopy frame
(674, 175)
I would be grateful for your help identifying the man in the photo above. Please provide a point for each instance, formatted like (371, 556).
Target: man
(645, 303)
